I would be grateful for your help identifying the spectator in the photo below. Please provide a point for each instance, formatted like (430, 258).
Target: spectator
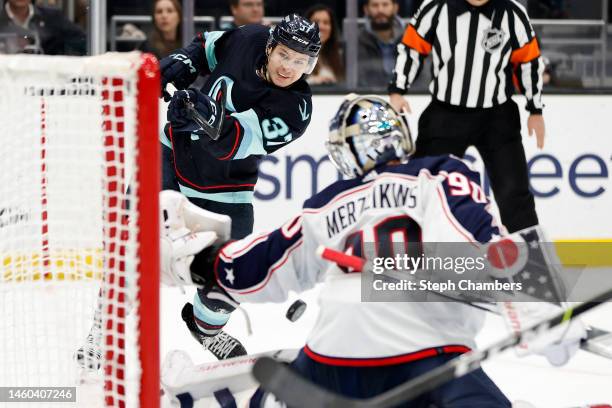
(245, 12)
(81, 10)
(377, 42)
(46, 29)
(166, 33)
(330, 67)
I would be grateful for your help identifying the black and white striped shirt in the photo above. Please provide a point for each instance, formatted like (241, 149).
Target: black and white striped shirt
(479, 53)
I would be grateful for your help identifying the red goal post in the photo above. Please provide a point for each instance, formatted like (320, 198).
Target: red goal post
(79, 183)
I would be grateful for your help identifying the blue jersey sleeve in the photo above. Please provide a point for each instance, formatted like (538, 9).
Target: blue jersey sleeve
(265, 266)
(467, 201)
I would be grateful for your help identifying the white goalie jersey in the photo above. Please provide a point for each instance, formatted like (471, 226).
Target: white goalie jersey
(433, 199)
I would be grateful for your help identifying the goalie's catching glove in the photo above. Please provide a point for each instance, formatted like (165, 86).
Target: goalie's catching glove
(178, 249)
(187, 231)
(561, 343)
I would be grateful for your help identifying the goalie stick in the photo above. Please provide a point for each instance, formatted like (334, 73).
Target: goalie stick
(297, 391)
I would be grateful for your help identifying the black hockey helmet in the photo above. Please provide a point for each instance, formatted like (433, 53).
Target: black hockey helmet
(299, 34)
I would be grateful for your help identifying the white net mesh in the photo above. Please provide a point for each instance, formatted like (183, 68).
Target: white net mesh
(68, 238)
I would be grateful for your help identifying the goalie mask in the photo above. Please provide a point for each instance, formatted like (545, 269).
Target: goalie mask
(367, 132)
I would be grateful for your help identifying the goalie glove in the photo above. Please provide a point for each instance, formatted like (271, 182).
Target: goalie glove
(558, 344)
(178, 249)
(186, 231)
(178, 212)
(565, 342)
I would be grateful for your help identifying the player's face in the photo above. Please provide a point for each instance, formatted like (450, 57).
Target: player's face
(166, 16)
(286, 66)
(477, 3)
(323, 19)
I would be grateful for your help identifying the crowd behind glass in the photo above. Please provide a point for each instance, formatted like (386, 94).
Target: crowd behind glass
(46, 27)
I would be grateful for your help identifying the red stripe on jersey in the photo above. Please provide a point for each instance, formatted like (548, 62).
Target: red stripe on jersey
(385, 361)
(183, 178)
(231, 153)
(271, 271)
(247, 247)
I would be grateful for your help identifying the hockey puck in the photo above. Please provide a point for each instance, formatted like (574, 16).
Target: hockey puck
(296, 310)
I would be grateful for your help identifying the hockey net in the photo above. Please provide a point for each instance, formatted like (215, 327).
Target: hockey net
(78, 226)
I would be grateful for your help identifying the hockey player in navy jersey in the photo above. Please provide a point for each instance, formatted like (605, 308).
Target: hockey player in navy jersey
(267, 105)
(361, 349)
(255, 100)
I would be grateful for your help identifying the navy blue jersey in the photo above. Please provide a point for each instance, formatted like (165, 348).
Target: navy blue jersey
(261, 117)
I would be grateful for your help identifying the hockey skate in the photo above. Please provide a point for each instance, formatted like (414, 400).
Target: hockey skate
(222, 346)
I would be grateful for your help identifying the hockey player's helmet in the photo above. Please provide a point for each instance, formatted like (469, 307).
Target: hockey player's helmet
(366, 132)
(299, 34)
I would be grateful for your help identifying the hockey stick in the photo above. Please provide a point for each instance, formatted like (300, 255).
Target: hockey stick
(298, 391)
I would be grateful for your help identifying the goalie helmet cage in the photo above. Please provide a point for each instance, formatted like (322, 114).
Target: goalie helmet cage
(78, 248)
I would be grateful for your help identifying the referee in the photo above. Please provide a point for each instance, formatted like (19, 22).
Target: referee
(481, 50)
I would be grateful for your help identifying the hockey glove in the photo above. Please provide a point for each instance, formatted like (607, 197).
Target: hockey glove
(186, 230)
(558, 344)
(177, 69)
(195, 112)
(561, 343)
(178, 249)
